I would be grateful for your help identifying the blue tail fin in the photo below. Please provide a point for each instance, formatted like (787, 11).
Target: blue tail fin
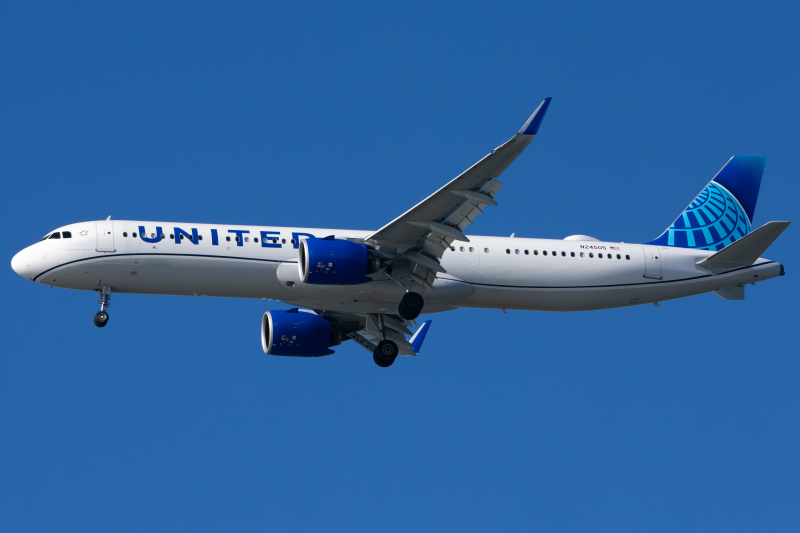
(723, 212)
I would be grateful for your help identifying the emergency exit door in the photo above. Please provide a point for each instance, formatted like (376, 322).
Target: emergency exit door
(105, 236)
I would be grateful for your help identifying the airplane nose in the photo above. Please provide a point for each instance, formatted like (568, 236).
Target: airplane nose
(21, 265)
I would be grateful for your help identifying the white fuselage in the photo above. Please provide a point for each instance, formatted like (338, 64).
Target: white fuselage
(487, 272)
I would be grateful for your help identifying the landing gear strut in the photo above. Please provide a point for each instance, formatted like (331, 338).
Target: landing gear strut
(411, 305)
(386, 351)
(101, 318)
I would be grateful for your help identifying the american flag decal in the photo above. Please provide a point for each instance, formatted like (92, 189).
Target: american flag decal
(613, 248)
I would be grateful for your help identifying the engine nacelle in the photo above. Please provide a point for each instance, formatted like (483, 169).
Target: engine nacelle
(332, 261)
(296, 333)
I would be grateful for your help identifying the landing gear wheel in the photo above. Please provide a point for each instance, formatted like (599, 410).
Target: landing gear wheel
(411, 305)
(385, 353)
(101, 319)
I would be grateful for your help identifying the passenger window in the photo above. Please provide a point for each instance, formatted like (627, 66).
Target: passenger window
(172, 235)
(563, 254)
(237, 239)
(628, 257)
(247, 239)
(536, 252)
(508, 251)
(544, 252)
(461, 248)
(275, 241)
(124, 233)
(581, 254)
(283, 241)
(55, 235)
(153, 235)
(453, 248)
(199, 237)
(572, 254)
(67, 234)
(516, 252)
(134, 234)
(554, 254)
(486, 250)
(228, 239)
(591, 254)
(609, 256)
(471, 249)
(618, 257)
(292, 241)
(255, 239)
(526, 252)
(181, 236)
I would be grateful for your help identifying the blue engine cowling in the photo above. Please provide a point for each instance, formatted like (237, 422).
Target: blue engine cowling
(295, 333)
(332, 261)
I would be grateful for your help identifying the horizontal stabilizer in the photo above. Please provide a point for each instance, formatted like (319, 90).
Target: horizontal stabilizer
(746, 250)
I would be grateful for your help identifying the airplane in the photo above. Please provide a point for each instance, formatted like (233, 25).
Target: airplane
(371, 286)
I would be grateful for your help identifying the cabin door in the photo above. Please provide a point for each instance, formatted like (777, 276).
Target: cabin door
(652, 262)
(105, 236)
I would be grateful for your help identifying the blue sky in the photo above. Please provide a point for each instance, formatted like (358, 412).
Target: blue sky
(679, 417)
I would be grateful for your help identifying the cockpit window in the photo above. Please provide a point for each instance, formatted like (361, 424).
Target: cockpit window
(56, 235)
(45, 238)
(66, 234)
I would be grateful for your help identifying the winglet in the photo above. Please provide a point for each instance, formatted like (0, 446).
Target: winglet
(531, 127)
(419, 336)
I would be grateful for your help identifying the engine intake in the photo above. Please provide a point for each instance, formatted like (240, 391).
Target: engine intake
(332, 261)
(297, 333)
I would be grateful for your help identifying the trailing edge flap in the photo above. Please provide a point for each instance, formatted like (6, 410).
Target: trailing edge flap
(746, 250)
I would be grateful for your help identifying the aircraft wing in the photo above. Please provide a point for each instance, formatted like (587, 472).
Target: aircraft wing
(422, 234)
(365, 330)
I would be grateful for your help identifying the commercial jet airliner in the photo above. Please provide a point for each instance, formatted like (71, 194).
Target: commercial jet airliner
(370, 286)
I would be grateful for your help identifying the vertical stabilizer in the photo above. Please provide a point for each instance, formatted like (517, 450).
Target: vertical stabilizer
(723, 211)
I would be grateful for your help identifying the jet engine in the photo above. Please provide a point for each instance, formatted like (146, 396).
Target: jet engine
(297, 333)
(332, 261)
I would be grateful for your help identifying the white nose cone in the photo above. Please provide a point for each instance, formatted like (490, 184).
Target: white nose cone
(21, 265)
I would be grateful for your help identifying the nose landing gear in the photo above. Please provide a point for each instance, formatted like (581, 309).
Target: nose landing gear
(101, 318)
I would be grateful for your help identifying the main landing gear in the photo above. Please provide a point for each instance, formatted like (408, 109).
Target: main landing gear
(386, 351)
(411, 305)
(101, 318)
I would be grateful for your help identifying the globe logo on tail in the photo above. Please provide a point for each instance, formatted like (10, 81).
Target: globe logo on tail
(712, 221)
